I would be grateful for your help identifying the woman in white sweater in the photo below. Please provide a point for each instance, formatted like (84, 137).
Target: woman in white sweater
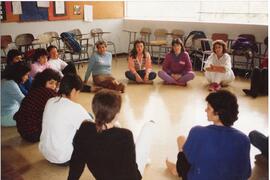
(61, 118)
(218, 67)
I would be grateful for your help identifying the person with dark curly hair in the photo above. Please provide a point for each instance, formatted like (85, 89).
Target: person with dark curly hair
(11, 95)
(29, 116)
(40, 62)
(140, 65)
(14, 56)
(217, 151)
(218, 67)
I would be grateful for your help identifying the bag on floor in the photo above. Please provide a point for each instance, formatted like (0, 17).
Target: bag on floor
(70, 41)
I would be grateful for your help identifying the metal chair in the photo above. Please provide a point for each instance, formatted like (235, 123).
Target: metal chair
(83, 55)
(160, 42)
(24, 41)
(5, 41)
(97, 35)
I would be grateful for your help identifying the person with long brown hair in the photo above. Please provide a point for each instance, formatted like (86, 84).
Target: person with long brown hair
(109, 151)
(140, 64)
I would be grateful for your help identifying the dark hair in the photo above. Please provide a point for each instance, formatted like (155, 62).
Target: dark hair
(225, 106)
(12, 54)
(68, 82)
(16, 72)
(98, 43)
(178, 41)
(106, 104)
(50, 48)
(43, 77)
(133, 52)
(40, 52)
(221, 43)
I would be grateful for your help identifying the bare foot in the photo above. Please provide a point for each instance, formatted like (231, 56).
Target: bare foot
(171, 167)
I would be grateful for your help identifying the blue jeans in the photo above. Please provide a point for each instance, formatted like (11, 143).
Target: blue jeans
(131, 76)
(260, 141)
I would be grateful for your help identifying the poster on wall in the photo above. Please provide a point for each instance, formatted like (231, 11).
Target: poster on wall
(59, 8)
(52, 13)
(33, 13)
(77, 10)
(44, 4)
(88, 13)
(17, 7)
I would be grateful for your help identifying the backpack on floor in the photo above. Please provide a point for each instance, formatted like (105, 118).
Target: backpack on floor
(70, 42)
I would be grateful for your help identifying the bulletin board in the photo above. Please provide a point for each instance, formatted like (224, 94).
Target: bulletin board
(33, 13)
(53, 17)
(10, 17)
(108, 9)
(76, 10)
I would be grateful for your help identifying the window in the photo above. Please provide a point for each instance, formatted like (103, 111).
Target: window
(221, 11)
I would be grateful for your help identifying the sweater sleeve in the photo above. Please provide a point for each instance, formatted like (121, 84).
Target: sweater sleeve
(77, 161)
(166, 64)
(209, 61)
(228, 62)
(89, 68)
(131, 65)
(129, 165)
(188, 66)
(17, 93)
(148, 63)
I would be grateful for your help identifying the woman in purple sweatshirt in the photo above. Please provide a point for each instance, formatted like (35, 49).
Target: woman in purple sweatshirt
(177, 67)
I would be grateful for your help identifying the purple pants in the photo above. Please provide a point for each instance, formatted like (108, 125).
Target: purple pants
(182, 81)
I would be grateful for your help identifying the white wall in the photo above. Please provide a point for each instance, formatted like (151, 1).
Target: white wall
(233, 30)
(116, 26)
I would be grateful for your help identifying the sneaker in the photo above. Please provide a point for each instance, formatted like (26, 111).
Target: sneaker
(250, 93)
(86, 88)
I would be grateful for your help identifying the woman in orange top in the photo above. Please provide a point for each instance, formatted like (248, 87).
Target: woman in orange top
(139, 64)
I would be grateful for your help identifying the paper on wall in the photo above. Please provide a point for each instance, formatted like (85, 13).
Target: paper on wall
(44, 4)
(88, 13)
(17, 7)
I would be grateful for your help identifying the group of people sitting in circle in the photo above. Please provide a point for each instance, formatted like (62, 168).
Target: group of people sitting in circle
(42, 102)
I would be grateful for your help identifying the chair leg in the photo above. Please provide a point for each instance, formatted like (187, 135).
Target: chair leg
(202, 62)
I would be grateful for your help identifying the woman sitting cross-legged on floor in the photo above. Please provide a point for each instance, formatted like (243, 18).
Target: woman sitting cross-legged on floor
(218, 151)
(109, 151)
(140, 65)
(177, 67)
(29, 116)
(218, 67)
(100, 65)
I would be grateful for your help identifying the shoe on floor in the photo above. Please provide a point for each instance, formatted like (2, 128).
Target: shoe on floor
(249, 93)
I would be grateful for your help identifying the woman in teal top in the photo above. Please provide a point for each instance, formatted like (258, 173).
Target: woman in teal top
(100, 65)
(11, 95)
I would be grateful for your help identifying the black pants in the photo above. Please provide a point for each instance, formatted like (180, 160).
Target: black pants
(69, 69)
(131, 76)
(182, 165)
(259, 81)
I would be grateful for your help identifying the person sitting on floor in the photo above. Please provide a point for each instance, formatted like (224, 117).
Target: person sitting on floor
(260, 141)
(40, 62)
(11, 95)
(109, 151)
(140, 64)
(58, 64)
(177, 67)
(100, 65)
(62, 117)
(217, 151)
(14, 56)
(218, 67)
(29, 116)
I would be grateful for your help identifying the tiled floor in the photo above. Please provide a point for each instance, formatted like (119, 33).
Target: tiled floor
(175, 110)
